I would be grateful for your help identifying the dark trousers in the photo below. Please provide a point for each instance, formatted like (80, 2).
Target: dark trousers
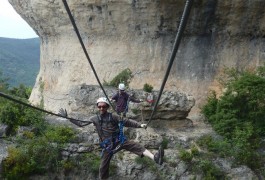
(131, 146)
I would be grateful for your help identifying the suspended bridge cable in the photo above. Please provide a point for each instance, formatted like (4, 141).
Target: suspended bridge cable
(34, 107)
(84, 49)
(181, 28)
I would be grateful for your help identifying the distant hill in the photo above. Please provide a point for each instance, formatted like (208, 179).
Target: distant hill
(20, 60)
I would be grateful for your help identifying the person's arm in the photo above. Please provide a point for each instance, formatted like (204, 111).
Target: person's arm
(132, 123)
(135, 100)
(80, 123)
(131, 98)
(128, 122)
(115, 97)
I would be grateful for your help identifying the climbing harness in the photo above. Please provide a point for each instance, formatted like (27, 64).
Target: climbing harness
(122, 138)
(181, 28)
(113, 143)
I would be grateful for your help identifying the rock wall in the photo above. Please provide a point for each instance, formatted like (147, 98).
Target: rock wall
(139, 35)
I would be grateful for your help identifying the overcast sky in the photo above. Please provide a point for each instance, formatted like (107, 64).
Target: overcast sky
(12, 25)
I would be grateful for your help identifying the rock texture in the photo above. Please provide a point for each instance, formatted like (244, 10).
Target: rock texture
(126, 164)
(172, 105)
(139, 35)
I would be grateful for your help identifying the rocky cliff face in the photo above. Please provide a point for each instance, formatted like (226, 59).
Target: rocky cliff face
(139, 35)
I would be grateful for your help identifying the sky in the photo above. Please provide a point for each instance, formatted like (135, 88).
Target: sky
(12, 25)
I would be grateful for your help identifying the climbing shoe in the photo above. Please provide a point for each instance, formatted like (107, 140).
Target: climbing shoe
(158, 157)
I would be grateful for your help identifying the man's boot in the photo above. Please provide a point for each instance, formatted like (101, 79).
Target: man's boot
(158, 157)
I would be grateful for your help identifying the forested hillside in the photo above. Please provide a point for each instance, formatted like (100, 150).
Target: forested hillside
(20, 60)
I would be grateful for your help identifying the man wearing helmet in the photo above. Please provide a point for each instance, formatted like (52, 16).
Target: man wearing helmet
(107, 126)
(122, 99)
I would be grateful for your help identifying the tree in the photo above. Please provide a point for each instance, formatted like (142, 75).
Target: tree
(239, 113)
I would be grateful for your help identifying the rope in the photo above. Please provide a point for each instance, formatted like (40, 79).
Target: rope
(84, 49)
(182, 25)
(181, 28)
(30, 106)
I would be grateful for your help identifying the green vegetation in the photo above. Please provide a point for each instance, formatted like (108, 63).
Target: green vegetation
(201, 163)
(151, 166)
(147, 88)
(148, 163)
(209, 170)
(38, 148)
(123, 77)
(88, 162)
(36, 154)
(164, 143)
(185, 156)
(238, 116)
(20, 60)
(135, 111)
(15, 115)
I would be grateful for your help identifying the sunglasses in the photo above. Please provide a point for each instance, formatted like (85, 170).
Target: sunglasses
(104, 107)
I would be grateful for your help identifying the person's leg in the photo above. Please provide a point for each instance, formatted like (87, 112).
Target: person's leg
(147, 153)
(104, 166)
(141, 151)
(158, 157)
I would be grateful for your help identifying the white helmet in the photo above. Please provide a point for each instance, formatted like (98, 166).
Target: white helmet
(121, 86)
(103, 99)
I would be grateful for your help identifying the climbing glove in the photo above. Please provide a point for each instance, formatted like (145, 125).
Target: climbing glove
(63, 112)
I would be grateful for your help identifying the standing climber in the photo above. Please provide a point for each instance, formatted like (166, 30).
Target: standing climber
(109, 127)
(122, 99)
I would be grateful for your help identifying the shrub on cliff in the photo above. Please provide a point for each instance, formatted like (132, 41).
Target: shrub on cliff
(238, 115)
(37, 154)
(15, 115)
(148, 88)
(123, 77)
(36, 150)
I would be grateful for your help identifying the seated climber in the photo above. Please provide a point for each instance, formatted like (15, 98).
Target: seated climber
(110, 131)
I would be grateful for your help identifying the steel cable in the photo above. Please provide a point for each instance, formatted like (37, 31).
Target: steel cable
(181, 28)
(34, 107)
(84, 49)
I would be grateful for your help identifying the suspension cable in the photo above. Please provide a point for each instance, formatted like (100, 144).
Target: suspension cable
(34, 107)
(181, 28)
(84, 49)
